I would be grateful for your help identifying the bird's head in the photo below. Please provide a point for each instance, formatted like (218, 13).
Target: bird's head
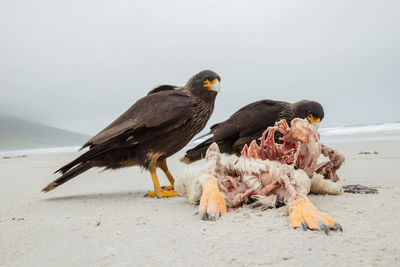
(205, 84)
(312, 110)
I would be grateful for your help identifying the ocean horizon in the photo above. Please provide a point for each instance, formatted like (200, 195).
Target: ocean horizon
(36, 151)
(329, 135)
(343, 134)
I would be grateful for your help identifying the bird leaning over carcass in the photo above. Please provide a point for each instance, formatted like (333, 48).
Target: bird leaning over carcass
(249, 123)
(269, 175)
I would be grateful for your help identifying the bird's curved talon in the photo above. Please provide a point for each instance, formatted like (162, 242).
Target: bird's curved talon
(304, 225)
(162, 193)
(213, 216)
(324, 227)
(212, 203)
(338, 227)
(304, 214)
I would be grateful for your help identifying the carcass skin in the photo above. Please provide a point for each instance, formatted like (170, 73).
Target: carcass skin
(268, 175)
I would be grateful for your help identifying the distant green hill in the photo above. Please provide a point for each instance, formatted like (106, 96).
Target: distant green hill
(18, 134)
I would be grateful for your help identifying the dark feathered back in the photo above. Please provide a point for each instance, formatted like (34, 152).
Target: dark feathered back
(162, 88)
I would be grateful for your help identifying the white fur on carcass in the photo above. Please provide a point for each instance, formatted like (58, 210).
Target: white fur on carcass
(252, 169)
(320, 185)
(189, 183)
(269, 171)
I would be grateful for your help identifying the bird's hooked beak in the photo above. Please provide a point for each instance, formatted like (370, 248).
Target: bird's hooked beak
(314, 121)
(212, 86)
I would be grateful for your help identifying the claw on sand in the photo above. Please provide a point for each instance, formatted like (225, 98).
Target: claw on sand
(338, 227)
(324, 227)
(304, 214)
(213, 217)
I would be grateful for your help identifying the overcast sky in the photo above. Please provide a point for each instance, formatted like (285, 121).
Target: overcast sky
(78, 65)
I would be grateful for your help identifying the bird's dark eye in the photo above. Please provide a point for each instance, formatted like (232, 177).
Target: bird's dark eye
(204, 79)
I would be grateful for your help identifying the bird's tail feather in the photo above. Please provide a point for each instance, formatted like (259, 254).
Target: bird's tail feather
(88, 155)
(67, 176)
(201, 136)
(196, 153)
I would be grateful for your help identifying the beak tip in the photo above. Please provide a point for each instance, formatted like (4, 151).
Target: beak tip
(216, 87)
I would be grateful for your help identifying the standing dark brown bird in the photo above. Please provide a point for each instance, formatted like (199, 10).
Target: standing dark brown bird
(249, 122)
(154, 128)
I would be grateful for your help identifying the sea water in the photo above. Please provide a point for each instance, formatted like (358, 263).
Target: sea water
(36, 151)
(339, 134)
(373, 132)
(342, 134)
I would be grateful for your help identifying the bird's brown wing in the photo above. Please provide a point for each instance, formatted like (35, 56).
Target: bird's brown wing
(162, 88)
(166, 108)
(247, 120)
(242, 127)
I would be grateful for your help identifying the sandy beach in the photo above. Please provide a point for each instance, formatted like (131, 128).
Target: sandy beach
(102, 219)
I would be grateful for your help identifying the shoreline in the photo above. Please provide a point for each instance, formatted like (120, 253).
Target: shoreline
(75, 148)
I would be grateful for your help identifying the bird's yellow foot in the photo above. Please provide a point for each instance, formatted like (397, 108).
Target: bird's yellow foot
(303, 213)
(168, 187)
(212, 202)
(161, 193)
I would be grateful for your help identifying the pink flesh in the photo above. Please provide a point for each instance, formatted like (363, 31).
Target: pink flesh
(328, 168)
(301, 148)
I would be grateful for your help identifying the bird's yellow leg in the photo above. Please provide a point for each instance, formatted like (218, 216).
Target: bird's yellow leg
(162, 164)
(158, 192)
(304, 214)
